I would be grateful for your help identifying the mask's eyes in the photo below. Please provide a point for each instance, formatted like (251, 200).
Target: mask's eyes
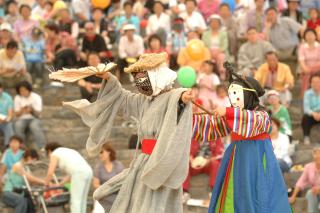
(234, 92)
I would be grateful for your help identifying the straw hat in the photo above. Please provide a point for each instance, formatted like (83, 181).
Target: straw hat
(147, 62)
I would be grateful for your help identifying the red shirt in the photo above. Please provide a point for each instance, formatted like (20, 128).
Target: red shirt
(313, 25)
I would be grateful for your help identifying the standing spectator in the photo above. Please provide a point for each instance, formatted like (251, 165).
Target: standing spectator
(314, 19)
(279, 112)
(208, 7)
(311, 107)
(193, 20)
(130, 46)
(89, 87)
(12, 66)
(107, 168)
(78, 170)
(256, 17)
(28, 108)
(184, 58)
(207, 81)
(66, 24)
(176, 41)
(93, 42)
(155, 45)
(280, 143)
(34, 50)
(81, 9)
(21, 202)
(277, 76)
(216, 39)
(310, 180)
(282, 33)
(100, 24)
(159, 22)
(13, 13)
(11, 155)
(6, 34)
(252, 53)
(293, 11)
(309, 58)
(6, 115)
(128, 18)
(231, 27)
(23, 26)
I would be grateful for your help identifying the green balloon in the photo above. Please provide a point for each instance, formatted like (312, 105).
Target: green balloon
(187, 77)
(68, 186)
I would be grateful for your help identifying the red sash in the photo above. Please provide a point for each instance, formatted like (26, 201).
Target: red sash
(235, 137)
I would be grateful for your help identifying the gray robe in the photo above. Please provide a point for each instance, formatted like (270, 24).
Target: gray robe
(153, 183)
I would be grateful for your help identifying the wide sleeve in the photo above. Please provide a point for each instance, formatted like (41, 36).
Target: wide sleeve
(99, 116)
(247, 123)
(208, 128)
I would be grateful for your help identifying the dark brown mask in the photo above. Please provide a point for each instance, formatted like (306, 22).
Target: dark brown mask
(143, 83)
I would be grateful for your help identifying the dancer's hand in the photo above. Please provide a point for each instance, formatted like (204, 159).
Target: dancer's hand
(219, 111)
(187, 96)
(104, 76)
(292, 200)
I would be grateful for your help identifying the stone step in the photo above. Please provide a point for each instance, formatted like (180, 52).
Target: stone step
(302, 156)
(300, 206)
(291, 178)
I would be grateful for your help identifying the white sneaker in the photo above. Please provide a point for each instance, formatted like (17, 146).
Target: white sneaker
(185, 197)
(306, 141)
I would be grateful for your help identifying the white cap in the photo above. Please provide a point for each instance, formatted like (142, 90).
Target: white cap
(6, 26)
(215, 16)
(128, 27)
(272, 92)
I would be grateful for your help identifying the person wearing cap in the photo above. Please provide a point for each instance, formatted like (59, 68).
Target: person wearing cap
(34, 51)
(130, 46)
(311, 107)
(276, 75)
(93, 42)
(6, 34)
(23, 26)
(249, 179)
(154, 181)
(216, 40)
(252, 53)
(128, 18)
(193, 20)
(279, 112)
(293, 11)
(310, 180)
(282, 33)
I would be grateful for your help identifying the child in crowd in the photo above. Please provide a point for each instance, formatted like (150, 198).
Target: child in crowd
(314, 21)
(279, 112)
(222, 99)
(11, 155)
(34, 49)
(207, 81)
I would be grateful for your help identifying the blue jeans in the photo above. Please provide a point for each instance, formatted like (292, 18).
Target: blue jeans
(35, 127)
(7, 130)
(16, 201)
(313, 202)
(36, 69)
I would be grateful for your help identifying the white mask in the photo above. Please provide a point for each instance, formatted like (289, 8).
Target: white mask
(236, 95)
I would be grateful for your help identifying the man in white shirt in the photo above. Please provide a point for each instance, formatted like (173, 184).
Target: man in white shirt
(28, 107)
(12, 66)
(194, 21)
(130, 48)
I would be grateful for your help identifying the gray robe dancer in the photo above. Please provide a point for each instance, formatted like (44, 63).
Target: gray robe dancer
(153, 183)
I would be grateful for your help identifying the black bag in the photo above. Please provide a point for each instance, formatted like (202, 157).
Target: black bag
(23, 191)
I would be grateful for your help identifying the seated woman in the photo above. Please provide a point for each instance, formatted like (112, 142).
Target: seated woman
(280, 143)
(107, 168)
(13, 194)
(90, 86)
(155, 44)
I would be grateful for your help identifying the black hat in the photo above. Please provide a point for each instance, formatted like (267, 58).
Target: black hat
(36, 31)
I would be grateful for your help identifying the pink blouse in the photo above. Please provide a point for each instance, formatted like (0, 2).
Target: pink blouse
(208, 7)
(311, 56)
(310, 177)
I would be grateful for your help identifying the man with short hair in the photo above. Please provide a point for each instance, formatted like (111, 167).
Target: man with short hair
(277, 76)
(282, 33)
(12, 66)
(6, 114)
(128, 18)
(252, 53)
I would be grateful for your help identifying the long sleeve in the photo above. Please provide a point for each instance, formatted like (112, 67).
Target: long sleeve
(208, 128)
(304, 180)
(243, 60)
(247, 123)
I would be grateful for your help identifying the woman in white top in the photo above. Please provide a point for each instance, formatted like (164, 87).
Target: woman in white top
(280, 143)
(78, 170)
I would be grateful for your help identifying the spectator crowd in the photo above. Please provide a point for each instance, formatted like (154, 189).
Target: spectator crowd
(275, 41)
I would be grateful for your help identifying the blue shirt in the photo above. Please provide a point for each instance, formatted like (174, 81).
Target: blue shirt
(9, 158)
(33, 50)
(311, 102)
(133, 20)
(6, 103)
